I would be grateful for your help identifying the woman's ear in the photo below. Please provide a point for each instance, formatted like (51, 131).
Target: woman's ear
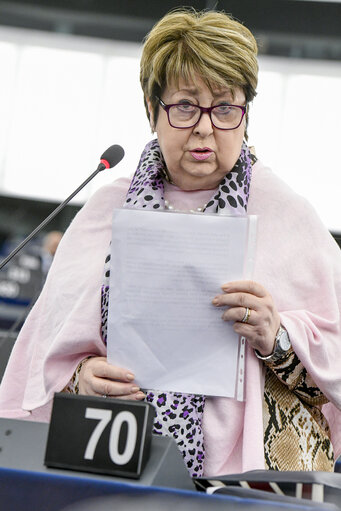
(151, 114)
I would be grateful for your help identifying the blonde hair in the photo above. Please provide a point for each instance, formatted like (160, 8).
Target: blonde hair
(185, 42)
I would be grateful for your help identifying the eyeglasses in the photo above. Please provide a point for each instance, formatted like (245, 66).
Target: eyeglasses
(187, 115)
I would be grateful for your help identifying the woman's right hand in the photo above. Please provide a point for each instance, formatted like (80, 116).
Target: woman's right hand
(99, 378)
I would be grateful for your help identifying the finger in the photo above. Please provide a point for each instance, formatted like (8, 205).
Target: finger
(245, 286)
(240, 300)
(254, 338)
(133, 397)
(244, 329)
(237, 314)
(114, 388)
(111, 372)
(138, 396)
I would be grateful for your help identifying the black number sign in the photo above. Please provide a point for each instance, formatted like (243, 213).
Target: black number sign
(94, 434)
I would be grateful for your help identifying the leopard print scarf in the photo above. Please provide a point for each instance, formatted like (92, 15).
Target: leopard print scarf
(146, 188)
(180, 415)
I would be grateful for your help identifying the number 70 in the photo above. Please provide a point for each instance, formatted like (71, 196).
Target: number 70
(104, 417)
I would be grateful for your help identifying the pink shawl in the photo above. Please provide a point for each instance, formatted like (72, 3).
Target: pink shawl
(297, 261)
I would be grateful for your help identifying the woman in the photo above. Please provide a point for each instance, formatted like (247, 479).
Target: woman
(198, 75)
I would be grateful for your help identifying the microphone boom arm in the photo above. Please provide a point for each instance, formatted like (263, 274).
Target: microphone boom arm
(55, 212)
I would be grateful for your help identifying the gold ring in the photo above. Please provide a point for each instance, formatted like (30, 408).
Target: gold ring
(246, 315)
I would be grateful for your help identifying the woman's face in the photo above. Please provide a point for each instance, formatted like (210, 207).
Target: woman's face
(183, 149)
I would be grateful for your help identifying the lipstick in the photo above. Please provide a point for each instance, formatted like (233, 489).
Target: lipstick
(201, 153)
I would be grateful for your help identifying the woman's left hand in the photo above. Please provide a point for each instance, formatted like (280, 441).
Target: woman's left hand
(264, 321)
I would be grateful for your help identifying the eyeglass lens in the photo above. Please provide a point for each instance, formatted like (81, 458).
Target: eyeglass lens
(222, 116)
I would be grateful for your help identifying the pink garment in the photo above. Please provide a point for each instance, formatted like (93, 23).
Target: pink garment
(297, 261)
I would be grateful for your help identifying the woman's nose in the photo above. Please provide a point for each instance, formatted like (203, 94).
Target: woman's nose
(204, 126)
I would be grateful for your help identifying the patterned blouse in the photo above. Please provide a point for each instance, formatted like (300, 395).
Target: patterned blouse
(296, 433)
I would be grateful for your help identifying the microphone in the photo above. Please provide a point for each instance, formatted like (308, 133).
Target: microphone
(111, 157)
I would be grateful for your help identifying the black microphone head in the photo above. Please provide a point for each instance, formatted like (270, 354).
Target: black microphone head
(112, 156)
